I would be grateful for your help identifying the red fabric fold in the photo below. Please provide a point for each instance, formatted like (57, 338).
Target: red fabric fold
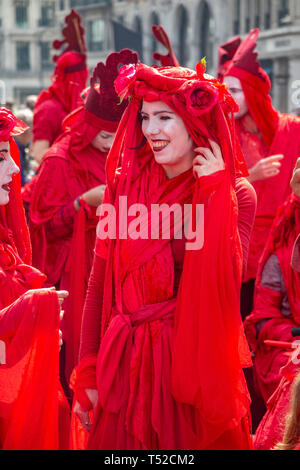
(29, 392)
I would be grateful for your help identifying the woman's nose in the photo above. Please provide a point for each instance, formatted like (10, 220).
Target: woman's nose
(13, 169)
(153, 129)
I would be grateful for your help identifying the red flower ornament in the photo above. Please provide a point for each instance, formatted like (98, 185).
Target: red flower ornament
(10, 125)
(201, 97)
(125, 81)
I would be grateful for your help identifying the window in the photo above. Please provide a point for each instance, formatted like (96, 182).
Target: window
(247, 19)
(283, 13)
(268, 14)
(47, 14)
(21, 13)
(22, 53)
(154, 20)
(237, 16)
(96, 35)
(183, 25)
(257, 13)
(46, 62)
(61, 4)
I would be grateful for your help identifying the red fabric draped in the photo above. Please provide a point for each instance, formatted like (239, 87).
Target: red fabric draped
(170, 397)
(12, 215)
(267, 302)
(279, 134)
(66, 87)
(61, 98)
(31, 399)
(71, 167)
(29, 406)
(258, 101)
(271, 428)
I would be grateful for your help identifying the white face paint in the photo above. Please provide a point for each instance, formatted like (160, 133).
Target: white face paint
(235, 88)
(168, 137)
(103, 141)
(8, 168)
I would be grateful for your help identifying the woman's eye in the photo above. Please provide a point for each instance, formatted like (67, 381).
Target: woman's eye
(144, 118)
(164, 118)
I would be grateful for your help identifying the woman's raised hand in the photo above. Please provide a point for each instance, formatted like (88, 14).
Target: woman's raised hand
(265, 168)
(94, 196)
(208, 161)
(295, 181)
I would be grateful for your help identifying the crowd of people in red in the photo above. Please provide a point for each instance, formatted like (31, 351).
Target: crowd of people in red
(121, 340)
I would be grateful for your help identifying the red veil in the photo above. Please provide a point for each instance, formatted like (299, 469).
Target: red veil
(210, 349)
(30, 397)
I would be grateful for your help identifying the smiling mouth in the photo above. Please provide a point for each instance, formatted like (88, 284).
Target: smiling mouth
(6, 187)
(159, 145)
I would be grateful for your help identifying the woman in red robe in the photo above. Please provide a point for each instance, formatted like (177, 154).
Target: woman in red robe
(63, 95)
(276, 300)
(34, 413)
(162, 346)
(67, 192)
(270, 143)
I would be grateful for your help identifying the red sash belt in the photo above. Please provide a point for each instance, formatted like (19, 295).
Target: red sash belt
(113, 362)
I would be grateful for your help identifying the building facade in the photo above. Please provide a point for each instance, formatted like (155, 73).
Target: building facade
(196, 29)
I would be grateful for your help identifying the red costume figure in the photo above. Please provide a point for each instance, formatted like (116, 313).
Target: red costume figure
(34, 413)
(69, 187)
(162, 322)
(270, 143)
(63, 95)
(161, 36)
(276, 299)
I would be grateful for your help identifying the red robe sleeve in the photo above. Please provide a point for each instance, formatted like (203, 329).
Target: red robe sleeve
(47, 120)
(246, 197)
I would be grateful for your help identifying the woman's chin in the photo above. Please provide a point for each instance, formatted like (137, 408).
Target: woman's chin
(4, 199)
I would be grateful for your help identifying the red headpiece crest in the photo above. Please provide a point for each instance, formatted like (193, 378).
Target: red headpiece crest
(226, 53)
(161, 36)
(246, 59)
(74, 38)
(103, 101)
(10, 125)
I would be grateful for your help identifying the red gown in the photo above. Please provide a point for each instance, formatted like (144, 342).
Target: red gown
(133, 411)
(276, 301)
(62, 239)
(272, 192)
(34, 413)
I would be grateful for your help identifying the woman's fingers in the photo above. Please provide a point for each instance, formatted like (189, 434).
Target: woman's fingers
(83, 416)
(216, 149)
(209, 154)
(205, 152)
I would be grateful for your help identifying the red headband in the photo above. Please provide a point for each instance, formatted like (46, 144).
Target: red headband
(10, 125)
(175, 85)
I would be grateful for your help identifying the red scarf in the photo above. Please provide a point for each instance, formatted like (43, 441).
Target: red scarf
(29, 381)
(66, 86)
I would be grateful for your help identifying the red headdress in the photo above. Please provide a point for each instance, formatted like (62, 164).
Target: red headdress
(209, 346)
(12, 215)
(225, 55)
(161, 36)
(71, 71)
(73, 34)
(256, 86)
(103, 102)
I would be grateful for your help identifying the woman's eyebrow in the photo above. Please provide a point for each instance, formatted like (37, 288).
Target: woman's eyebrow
(159, 112)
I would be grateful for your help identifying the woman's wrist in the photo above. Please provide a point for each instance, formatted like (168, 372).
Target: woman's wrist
(77, 203)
